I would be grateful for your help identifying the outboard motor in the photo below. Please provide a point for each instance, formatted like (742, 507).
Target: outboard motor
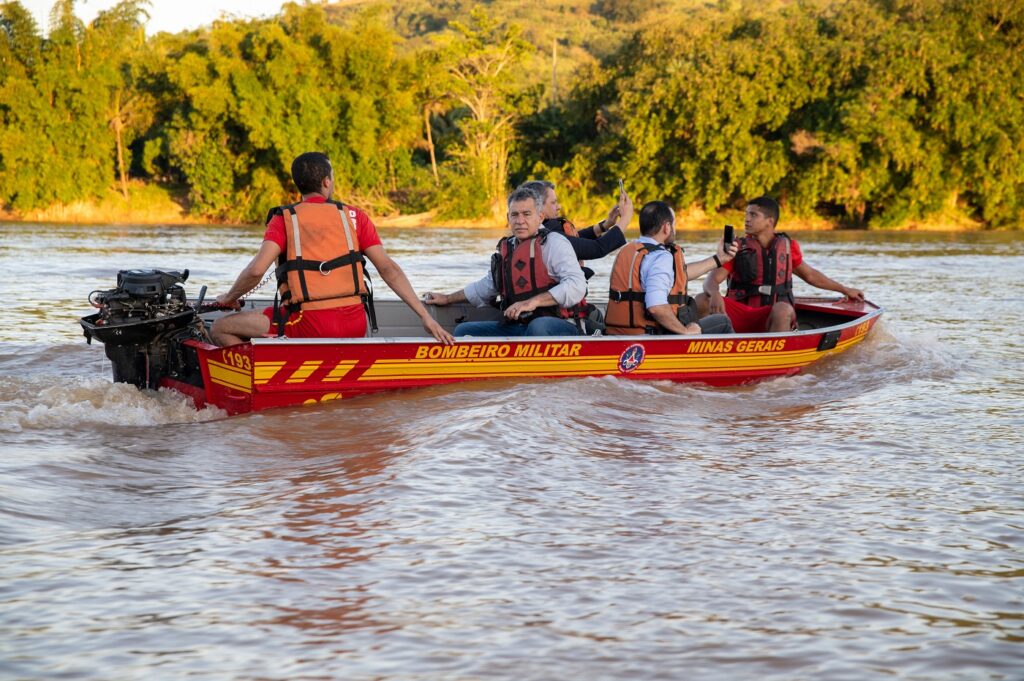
(141, 323)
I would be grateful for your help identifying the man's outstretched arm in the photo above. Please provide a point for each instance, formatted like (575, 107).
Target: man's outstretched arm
(395, 278)
(250, 276)
(818, 280)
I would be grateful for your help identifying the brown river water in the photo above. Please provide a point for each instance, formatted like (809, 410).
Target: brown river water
(863, 520)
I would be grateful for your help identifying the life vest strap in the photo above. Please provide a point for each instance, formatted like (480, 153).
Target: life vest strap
(279, 315)
(292, 308)
(772, 293)
(519, 297)
(626, 296)
(368, 306)
(321, 266)
(641, 297)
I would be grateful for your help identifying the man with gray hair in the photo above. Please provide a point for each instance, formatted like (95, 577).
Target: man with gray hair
(534, 276)
(590, 243)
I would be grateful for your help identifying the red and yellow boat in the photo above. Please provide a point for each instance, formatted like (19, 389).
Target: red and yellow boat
(161, 344)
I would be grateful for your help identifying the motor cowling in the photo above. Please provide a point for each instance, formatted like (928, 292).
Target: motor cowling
(141, 322)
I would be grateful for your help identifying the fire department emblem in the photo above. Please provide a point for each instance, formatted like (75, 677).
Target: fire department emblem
(631, 358)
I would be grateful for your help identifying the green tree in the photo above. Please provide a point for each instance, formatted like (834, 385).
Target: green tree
(65, 102)
(20, 45)
(433, 94)
(253, 95)
(706, 113)
(481, 59)
(874, 111)
(924, 117)
(979, 108)
(111, 42)
(51, 109)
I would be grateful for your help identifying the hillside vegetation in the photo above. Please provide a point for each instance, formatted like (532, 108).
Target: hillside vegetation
(867, 113)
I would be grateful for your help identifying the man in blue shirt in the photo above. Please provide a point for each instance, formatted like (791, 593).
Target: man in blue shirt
(648, 281)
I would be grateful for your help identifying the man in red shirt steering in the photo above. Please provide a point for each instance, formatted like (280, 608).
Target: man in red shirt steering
(319, 246)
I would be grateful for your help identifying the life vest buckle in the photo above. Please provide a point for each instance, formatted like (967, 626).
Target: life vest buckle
(321, 269)
(765, 289)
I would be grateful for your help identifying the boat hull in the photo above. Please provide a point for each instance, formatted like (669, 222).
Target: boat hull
(280, 372)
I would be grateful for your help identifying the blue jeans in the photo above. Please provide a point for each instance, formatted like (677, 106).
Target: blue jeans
(538, 326)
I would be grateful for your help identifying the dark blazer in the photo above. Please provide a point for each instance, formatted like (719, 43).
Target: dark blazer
(588, 246)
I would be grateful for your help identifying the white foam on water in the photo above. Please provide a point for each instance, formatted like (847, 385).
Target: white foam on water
(37, 403)
(885, 358)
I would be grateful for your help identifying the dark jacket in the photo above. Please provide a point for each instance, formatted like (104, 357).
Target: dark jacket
(588, 246)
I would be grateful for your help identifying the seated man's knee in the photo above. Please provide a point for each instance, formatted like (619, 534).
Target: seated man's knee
(239, 327)
(782, 317)
(715, 324)
(551, 326)
(220, 335)
(783, 310)
(703, 304)
(478, 329)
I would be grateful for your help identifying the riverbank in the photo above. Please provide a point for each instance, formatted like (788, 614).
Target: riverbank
(167, 205)
(146, 204)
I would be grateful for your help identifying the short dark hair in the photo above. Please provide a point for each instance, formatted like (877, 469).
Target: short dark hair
(309, 171)
(768, 206)
(524, 193)
(539, 186)
(653, 215)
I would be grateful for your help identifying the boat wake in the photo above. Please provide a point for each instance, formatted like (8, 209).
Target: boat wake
(59, 386)
(38, 403)
(886, 358)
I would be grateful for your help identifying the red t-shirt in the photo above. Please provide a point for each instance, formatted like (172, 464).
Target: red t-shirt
(339, 322)
(366, 232)
(794, 251)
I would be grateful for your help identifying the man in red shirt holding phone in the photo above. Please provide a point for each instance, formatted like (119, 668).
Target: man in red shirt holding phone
(759, 296)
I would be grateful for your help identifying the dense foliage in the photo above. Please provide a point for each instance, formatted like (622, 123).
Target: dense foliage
(867, 112)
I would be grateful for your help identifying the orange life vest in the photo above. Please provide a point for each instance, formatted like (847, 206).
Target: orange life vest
(322, 266)
(627, 312)
(519, 273)
(762, 276)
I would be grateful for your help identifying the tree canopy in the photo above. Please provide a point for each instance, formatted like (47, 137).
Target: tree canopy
(868, 112)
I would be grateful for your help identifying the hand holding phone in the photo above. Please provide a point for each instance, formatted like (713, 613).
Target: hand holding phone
(727, 251)
(625, 208)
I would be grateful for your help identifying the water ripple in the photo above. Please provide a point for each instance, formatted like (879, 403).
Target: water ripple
(860, 520)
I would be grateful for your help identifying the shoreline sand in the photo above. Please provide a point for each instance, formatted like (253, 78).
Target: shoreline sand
(173, 213)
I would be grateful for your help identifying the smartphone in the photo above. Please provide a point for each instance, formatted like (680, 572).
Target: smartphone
(622, 188)
(727, 238)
